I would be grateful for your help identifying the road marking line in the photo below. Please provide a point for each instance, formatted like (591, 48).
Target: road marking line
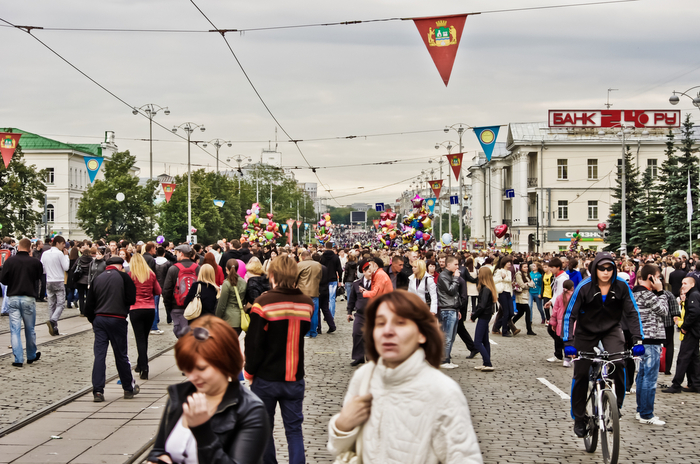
(492, 342)
(554, 388)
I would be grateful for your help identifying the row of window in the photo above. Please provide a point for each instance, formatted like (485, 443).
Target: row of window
(563, 168)
(78, 177)
(563, 209)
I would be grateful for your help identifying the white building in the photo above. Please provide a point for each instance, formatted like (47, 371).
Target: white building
(67, 177)
(547, 183)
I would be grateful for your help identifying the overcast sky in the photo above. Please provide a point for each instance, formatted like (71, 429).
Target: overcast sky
(372, 78)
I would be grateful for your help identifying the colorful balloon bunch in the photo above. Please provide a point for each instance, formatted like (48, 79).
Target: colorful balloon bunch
(417, 227)
(575, 239)
(324, 230)
(261, 230)
(388, 234)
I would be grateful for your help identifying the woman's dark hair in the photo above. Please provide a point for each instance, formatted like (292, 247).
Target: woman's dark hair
(568, 285)
(469, 264)
(210, 260)
(408, 306)
(222, 349)
(428, 263)
(572, 264)
(232, 269)
(503, 261)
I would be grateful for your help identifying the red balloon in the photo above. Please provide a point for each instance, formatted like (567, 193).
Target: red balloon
(501, 230)
(602, 226)
(270, 215)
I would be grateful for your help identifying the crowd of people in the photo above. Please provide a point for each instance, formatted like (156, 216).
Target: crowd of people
(242, 312)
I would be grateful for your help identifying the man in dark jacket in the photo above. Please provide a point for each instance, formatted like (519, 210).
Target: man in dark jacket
(150, 255)
(675, 278)
(688, 360)
(357, 304)
(335, 270)
(448, 303)
(107, 306)
(323, 297)
(20, 274)
(177, 311)
(399, 271)
(597, 306)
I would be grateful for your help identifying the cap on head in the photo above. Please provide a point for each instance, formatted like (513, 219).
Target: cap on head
(114, 260)
(184, 248)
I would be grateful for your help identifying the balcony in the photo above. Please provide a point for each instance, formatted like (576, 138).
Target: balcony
(532, 220)
(532, 182)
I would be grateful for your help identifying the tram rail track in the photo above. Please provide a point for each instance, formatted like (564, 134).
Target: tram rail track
(5, 332)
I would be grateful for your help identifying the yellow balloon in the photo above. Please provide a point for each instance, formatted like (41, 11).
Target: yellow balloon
(427, 223)
(250, 219)
(415, 248)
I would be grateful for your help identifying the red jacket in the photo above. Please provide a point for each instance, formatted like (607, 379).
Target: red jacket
(219, 276)
(381, 284)
(145, 292)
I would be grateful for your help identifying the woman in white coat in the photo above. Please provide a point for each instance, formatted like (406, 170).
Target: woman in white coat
(417, 283)
(404, 418)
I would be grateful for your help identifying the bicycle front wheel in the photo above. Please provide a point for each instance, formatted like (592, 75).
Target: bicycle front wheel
(610, 433)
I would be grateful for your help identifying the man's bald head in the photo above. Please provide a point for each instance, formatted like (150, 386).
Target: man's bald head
(688, 284)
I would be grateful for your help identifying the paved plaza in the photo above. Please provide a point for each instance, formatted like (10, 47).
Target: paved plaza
(518, 417)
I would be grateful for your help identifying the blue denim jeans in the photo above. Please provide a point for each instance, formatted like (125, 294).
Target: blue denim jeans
(157, 319)
(540, 307)
(449, 328)
(332, 289)
(481, 340)
(22, 309)
(646, 380)
(313, 331)
(348, 287)
(5, 307)
(290, 396)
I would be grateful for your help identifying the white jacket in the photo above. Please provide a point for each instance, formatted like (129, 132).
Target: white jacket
(420, 290)
(55, 264)
(411, 422)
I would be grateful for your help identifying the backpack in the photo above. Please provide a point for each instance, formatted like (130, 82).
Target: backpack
(185, 278)
(77, 271)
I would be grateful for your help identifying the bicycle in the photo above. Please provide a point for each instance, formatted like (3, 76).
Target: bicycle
(601, 405)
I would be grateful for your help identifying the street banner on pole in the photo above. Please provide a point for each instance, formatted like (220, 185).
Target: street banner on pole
(436, 185)
(219, 203)
(284, 228)
(168, 190)
(431, 204)
(298, 224)
(8, 144)
(376, 223)
(456, 163)
(487, 138)
(93, 164)
(441, 36)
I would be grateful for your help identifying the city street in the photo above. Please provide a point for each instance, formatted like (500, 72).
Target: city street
(517, 416)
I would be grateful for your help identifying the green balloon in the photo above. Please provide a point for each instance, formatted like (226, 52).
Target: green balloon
(269, 235)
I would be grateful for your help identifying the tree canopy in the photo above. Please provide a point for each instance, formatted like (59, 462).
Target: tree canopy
(20, 187)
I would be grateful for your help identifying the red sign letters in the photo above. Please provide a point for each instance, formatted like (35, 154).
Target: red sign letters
(614, 118)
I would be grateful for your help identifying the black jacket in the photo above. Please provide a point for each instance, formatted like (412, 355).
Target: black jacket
(675, 279)
(171, 282)
(111, 294)
(356, 303)
(323, 290)
(150, 260)
(236, 433)
(207, 293)
(97, 267)
(256, 287)
(484, 308)
(448, 291)
(401, 279)
(332, 262)
(350, 272)
(84, 262)
(20, 273)
(691, 318)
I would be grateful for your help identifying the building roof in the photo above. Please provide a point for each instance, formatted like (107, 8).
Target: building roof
(30, 141)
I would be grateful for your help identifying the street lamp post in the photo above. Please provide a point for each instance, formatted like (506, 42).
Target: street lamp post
(460, 132)
(239, 159)
(189, 127)
(449, 147)
(696, 100)
(218, 143)
(151, 110)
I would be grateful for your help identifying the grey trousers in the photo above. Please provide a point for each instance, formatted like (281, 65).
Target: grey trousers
(180, 324)
(56, 295)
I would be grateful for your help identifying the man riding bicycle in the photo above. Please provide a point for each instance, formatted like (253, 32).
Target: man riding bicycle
(596, 307)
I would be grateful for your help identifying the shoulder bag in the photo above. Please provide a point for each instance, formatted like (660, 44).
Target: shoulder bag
(245, 317)
(354, 456)
(194, 309)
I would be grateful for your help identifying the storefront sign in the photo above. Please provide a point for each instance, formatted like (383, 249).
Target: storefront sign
(591, 235)
(614, 118)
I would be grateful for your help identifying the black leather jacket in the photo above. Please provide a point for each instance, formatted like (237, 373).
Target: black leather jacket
(237, 433)
(448, 291)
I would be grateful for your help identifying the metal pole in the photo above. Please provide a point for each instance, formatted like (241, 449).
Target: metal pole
(217, 145)
(440, 205)
(460, 131)
(150, 139)
(623, 209)
(449, 201)
(189, 186)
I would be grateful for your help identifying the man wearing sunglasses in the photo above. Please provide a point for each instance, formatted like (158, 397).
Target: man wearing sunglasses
(596, 308)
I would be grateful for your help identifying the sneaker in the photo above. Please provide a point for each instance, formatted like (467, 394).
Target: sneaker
(307, 336)
(478, 368)
(448, 366)
(38, 355)
(18, 364)
(567, 362)
(672, 389)
(581, 427)
(516, 331)
(128, 395)
(487, 369)
(633, 390)
(553, 359)
(637, 416)
(51, 329)
(98, 397)
(157, 332)
(653, 421)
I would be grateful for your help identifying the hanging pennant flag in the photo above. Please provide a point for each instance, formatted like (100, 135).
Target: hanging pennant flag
(430, 202)
(284, 228)
(436, 185)
(298, 224)
(8, 144)
(93, 164)
(168, 190)
(219, 203)
(376, 223)
(456, 163)
(487, 138)
(442, 35)
(306, 226)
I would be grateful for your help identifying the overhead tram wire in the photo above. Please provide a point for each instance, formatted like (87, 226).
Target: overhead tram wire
(300, 26)
(28, 30)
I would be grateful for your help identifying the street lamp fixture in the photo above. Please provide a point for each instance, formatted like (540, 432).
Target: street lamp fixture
(674, 99)
(218, 143)
(189, 127)
(151, 110)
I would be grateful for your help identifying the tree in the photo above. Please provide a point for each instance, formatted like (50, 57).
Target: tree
(675, 171)
(20, 187)
(632, 195)
(101, 215)
(648, 232)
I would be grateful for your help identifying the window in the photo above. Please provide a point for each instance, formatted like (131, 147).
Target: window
(592, 169)
(50, 176)
(653, 167)
(563, 210)
(562, 169)
(49, 213)
(593, 209)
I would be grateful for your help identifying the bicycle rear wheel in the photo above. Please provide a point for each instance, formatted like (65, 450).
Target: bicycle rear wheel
(610, 434)
(590, 441)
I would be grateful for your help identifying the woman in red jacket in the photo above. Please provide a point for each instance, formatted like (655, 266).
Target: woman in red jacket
(211, 260)
(142, 314)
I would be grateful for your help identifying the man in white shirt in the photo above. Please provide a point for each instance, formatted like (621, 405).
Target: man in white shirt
(56, 262)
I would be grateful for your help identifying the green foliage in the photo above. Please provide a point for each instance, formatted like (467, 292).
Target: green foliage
(647, 230)
(633, 193)
(100, 215)
(20, 187)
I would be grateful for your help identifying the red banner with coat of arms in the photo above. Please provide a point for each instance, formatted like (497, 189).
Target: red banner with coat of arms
(441, 36)
(8, 145)
(455, 163)
(436, 185)
(168, 190)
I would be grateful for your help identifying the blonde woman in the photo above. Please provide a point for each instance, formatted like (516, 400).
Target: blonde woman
(423, 285)
(253, 268)
(208, 291)
(142, 313)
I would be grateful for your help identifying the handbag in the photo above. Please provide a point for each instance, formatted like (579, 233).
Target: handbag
(194, 309)
(245, 317)
(354, 456)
